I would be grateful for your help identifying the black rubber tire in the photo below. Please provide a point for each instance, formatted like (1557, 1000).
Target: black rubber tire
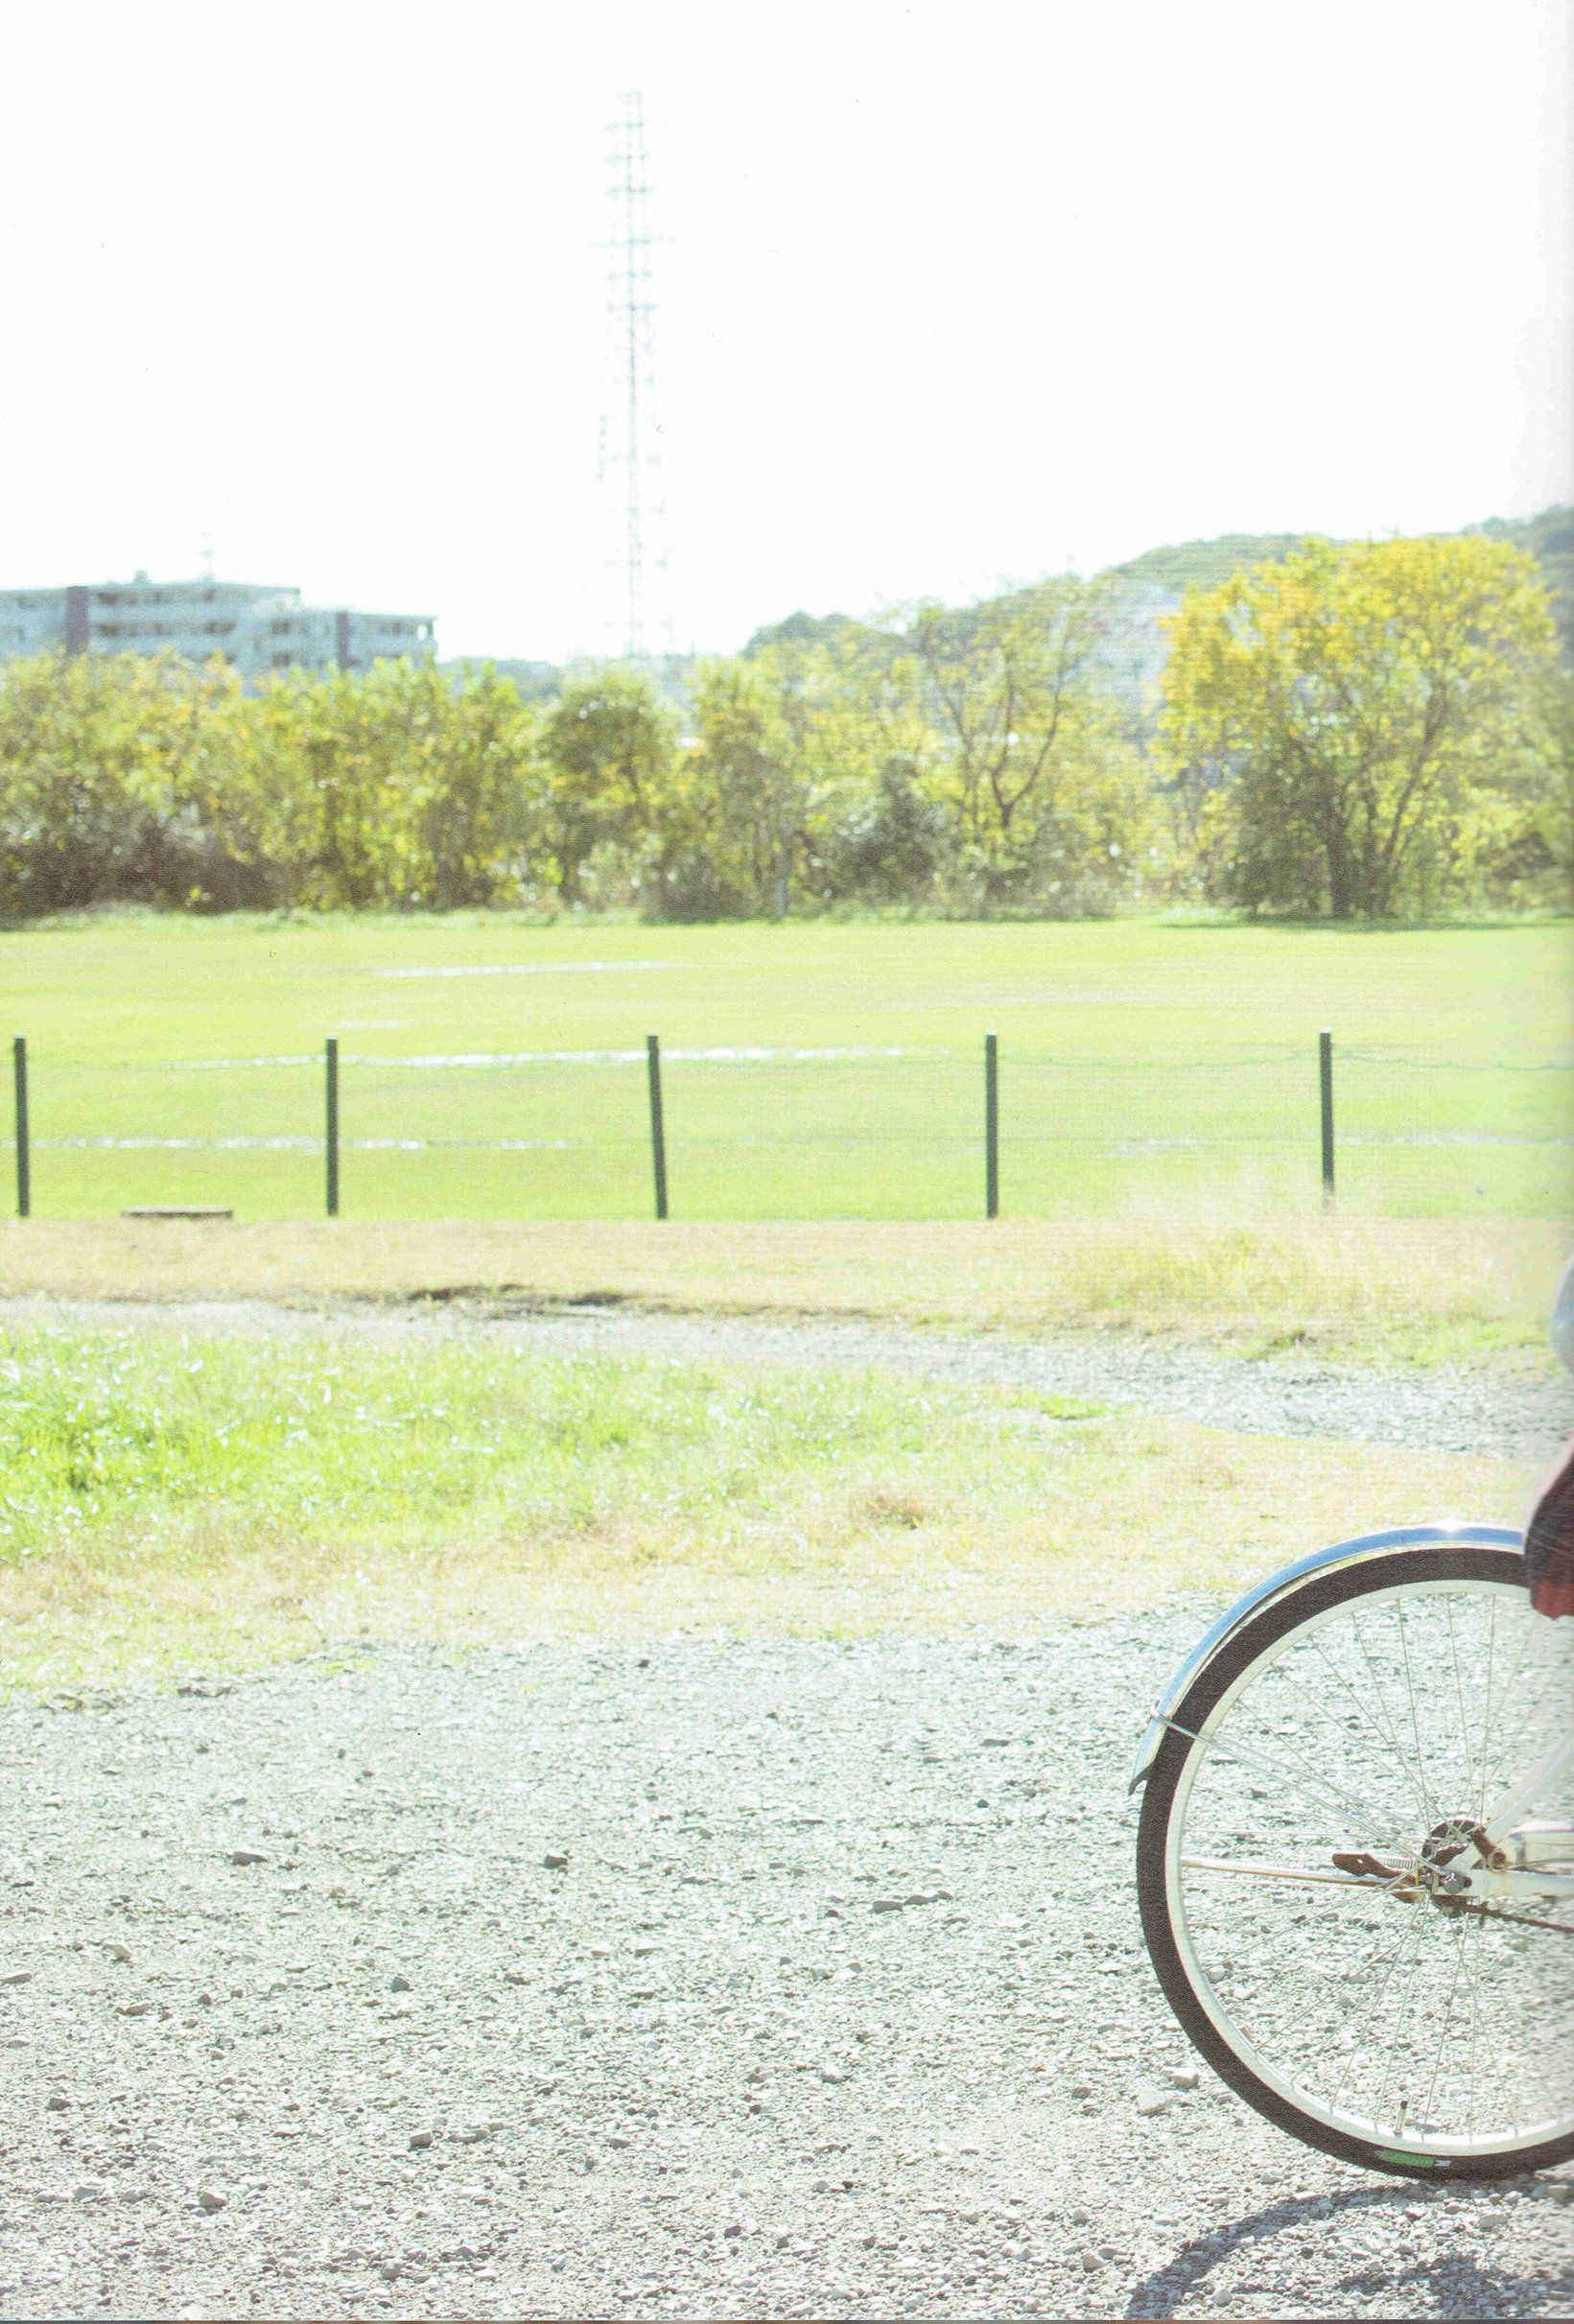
(1315, 1596)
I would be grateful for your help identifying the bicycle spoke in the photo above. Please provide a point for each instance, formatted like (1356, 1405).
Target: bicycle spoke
(1382, 1725)
(1284, 1871)
(1317, 1787)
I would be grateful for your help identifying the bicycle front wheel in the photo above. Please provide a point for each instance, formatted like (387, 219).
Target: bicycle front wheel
(1302, 1867)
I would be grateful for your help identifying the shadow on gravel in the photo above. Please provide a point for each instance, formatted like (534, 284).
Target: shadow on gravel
(1463, 2282)
(499, 1299)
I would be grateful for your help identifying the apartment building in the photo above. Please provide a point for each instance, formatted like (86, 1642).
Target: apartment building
(258, 629)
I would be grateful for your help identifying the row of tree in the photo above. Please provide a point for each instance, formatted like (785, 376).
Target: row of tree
(1352, 731)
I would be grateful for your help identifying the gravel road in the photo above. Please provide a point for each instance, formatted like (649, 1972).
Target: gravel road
(1440, 1411)
(1448, 1409)
(707, 1979)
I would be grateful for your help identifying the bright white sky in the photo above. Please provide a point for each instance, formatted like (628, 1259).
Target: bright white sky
(951, 296)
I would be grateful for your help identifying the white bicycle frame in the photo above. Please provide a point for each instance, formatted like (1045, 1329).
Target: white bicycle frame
(1513, 1866)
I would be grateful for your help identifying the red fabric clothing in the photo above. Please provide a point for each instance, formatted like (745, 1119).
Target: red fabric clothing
(1549, 1544)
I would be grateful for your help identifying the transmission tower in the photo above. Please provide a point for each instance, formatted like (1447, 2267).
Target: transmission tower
(628, 423)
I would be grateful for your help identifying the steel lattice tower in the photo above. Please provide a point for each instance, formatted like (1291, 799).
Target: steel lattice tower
(628, 424)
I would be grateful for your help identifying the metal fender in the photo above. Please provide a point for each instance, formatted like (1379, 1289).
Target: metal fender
(1290, 1577)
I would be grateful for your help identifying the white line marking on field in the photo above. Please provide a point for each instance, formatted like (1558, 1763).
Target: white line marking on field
(528, 967)
(303, 1145)
(481, 1058)
(629, 1057)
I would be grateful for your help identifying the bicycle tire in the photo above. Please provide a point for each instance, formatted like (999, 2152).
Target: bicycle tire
(1236, 1657)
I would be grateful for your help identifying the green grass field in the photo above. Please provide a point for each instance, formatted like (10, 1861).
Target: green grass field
(176, 1497)
(493, 1069)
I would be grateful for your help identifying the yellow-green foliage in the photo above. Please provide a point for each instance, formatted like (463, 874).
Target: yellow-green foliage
(125, 779)
(1362, 730)
(1358, 732)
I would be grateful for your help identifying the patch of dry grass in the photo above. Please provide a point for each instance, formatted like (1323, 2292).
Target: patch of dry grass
(1398, 1290)
(1103, 1518)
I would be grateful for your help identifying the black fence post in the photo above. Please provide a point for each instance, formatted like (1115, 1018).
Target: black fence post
(992, 1126)
(24, 1159)
(658, 1133)
(330, 1138)
(1324, 1078)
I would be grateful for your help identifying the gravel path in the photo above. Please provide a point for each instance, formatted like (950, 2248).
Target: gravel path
(707, 1979)
(1444, 1410)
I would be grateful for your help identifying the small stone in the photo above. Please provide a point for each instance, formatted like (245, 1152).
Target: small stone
(91, 2191)
(390, 2271)
(732, 2232)
(887, 1903)
(246, 1856)
(1185, 2077)
(1154, 2101)
(420, 2139)
(56, 2104)
(16, 1976)
(401, 1984)
(554, 1861)
(1081, 2090)
(832, 2074)
(121, 1954)
(133, 2009)
(209, 2200)
(516, 1977)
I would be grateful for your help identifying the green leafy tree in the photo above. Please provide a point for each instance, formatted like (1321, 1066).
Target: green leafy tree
(743, 792)
(893, 845)
(1049, 792)
(1356, 720)
(608, 749)
(848, 703)
(478, 817)
(356, 746)
(1521, 836)
(109, 769)
(790, 740)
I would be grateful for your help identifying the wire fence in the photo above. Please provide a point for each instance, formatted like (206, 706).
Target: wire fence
(735, 1133)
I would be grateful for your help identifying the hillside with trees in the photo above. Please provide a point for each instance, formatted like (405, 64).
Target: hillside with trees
(1355, 729)
(1549, 538)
